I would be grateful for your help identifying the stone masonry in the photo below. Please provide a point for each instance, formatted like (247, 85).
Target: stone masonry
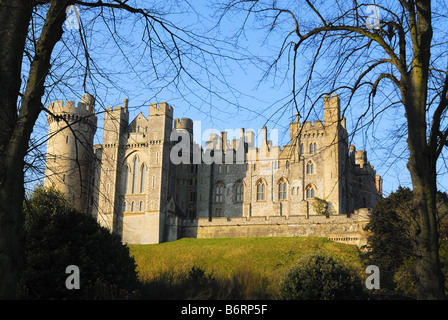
(150, 182)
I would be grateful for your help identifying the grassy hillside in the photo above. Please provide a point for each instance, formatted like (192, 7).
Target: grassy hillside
(242, 268)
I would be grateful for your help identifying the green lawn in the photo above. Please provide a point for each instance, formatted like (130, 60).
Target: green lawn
(255, 265)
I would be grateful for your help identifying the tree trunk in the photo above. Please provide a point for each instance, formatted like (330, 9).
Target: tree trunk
(14, 21)
(11, 237)
(422, 167)
(422, 157)
(430, 280)
(16, 127)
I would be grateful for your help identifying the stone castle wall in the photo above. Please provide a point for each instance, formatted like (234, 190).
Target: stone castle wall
(339, 228)
(136, 190)
(71, 128)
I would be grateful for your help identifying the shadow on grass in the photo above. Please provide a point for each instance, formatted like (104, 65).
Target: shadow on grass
(197, 285)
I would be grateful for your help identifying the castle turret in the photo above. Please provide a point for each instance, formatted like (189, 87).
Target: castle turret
(116, 121)
(184, 124)
(352, 151)
(110, 175)
(161, 123)
(250, 138)
(70, 148)
(336, 151)
(183, 129)
(332, 110)
(379, 185)
(361, 158)
(161, 117)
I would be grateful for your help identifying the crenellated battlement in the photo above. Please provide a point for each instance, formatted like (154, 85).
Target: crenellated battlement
(332, 110)
(360, 164)
(161, 108)
(118, 113)
(72, 111)
(307, 128)
(84, 108)
(71, 130)
(315, 125)
(118, 109)
(255, 148)
(183, 123)
(241, 183)
(361, 157)
(312, 125)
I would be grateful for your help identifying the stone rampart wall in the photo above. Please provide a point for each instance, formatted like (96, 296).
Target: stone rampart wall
(338, 228)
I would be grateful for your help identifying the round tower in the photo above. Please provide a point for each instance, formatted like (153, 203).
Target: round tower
(184, 124)
(70, 149)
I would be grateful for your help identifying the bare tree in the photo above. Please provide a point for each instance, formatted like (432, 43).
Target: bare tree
(391, 52)
(41, 60)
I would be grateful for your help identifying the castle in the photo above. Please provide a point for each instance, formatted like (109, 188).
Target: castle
(149, 182)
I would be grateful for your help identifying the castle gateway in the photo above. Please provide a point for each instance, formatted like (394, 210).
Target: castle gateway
(149, 182)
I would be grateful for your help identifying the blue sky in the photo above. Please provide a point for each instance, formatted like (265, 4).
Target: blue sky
(221, 93)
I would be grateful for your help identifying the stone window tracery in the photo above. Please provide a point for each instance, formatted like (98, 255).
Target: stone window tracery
(239, 190)
(310, 191)
(142, 178)
(261, 190)
(134, 175)
(219, 192)
(310, 167)
(282, 186)
(313, 148)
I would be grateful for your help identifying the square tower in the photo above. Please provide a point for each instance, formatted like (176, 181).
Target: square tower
(336, 156)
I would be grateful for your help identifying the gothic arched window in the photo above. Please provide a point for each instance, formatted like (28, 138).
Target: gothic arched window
(239, 192)
(310, 191)
(282, 185)
(313, 148)
(126, 180)
(142, 178)
(310, 167)
(134, 175)
(261, 190)
(276, 164)
(219, 192)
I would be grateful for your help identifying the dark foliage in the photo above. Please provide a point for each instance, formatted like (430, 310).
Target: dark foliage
(391, 243)
(318, 277)
(58, 236)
